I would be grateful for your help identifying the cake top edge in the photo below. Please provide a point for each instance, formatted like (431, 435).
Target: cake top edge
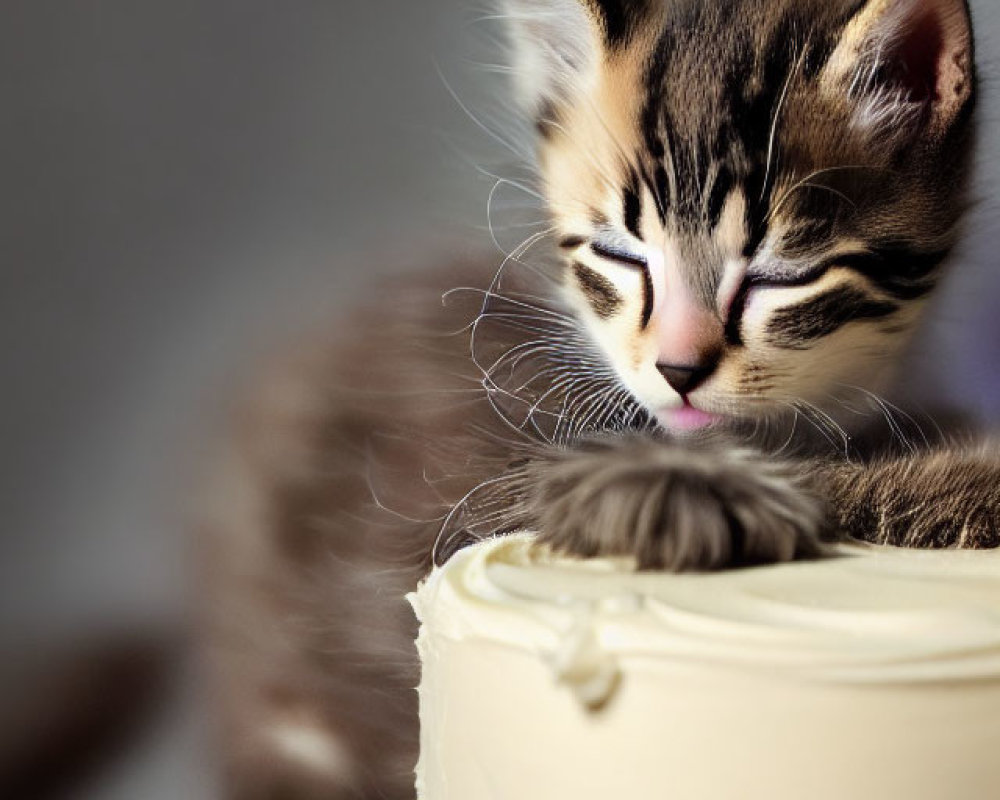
(866, 614)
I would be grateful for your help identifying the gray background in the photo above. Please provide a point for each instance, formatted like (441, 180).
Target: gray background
(185, 182)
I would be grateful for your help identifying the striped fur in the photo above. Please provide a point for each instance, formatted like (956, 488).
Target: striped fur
(792, 141)
(789, 174)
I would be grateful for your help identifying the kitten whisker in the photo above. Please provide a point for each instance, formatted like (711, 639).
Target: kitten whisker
(771, 157)
(821, 422)
(807, 181)
(458, 509)
(523, 156)
(889, 411)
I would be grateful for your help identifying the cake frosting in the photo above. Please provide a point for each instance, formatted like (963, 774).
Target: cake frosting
(874, 673)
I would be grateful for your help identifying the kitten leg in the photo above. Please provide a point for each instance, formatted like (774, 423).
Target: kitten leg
(943, 498)
(672, 506)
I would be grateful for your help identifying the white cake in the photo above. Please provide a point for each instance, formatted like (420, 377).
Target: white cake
(871, 676)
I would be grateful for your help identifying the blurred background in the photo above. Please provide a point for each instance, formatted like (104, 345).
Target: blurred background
(186, 183)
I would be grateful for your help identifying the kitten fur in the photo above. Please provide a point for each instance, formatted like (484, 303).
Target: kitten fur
(751, 202)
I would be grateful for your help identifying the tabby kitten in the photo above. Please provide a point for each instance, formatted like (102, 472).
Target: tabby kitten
(752, 201)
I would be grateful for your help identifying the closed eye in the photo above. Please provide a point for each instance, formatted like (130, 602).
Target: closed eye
(778, 281)
(754, 281)
(614, 253)
(763, 280)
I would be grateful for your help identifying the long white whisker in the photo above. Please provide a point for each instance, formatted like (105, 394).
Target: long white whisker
(772, 138)
(521, 155)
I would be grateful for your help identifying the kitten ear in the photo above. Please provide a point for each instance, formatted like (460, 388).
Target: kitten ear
(554, 47)
(907, 60)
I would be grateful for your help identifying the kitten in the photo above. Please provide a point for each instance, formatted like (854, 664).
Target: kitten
(752, 202)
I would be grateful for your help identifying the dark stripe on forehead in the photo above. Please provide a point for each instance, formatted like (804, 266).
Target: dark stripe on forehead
(600, 292)
(752, 116)
(717, 195)
(696, 151)
(801, 238)
(658, 194)
(704, 149)
(797, 327)
(656, 136)
(616, 21)
(618, 18)
(850, 13)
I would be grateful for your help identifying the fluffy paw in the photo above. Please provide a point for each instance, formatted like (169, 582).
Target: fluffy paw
(672, 507)
(938, 500)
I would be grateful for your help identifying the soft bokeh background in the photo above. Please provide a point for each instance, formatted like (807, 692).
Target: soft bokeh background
(185, 182)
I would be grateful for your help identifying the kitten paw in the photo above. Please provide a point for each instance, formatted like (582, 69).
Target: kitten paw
(939, 500)
(673, 507)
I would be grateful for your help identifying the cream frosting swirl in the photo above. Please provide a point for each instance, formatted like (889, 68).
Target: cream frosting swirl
(865, 615)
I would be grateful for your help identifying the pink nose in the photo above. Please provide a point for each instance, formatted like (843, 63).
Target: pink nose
(690, 336)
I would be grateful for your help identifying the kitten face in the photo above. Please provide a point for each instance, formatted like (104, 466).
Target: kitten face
(754, 197)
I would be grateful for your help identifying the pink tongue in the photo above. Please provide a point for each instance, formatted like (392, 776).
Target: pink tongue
(688, 418)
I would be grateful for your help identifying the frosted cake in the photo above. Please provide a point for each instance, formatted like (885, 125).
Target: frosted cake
(873, 675)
